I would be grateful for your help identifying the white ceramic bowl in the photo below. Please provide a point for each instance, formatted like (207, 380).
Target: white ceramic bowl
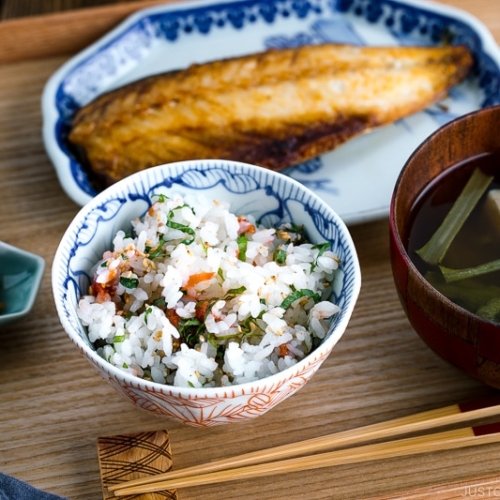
(271, 197)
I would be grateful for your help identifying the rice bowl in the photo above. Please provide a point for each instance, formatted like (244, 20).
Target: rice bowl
(268, 198)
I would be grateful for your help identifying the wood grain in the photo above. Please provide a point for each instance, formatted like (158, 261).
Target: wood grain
(10, 9)
(133, 456)
(64, 33)
(54, 407)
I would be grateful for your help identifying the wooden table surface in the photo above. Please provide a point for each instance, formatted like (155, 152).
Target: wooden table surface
(10, 9)
(53, 406)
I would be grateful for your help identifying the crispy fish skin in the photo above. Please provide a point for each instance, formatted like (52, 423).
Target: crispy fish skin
(273, 109)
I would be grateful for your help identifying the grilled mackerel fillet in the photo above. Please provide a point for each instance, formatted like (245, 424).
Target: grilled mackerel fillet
(273, 109)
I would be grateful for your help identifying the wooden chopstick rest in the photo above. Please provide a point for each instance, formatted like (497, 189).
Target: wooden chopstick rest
(126, 457)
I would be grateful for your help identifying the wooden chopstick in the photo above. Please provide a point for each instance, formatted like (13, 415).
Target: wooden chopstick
(446, 440)
(449, 415)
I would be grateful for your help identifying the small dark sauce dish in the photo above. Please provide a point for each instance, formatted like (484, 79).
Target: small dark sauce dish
(465, 340)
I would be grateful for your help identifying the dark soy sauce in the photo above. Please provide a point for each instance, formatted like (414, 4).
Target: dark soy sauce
(476, 243)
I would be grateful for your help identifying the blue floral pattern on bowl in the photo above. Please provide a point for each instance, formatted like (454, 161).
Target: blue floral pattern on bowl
(356, 180)
(270, 197)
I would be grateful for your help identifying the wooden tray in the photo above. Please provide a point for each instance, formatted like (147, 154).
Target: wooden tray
(54, 407)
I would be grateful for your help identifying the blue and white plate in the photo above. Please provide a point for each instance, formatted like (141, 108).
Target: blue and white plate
(357, 179)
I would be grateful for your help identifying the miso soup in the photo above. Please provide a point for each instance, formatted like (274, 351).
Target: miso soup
(476, 244)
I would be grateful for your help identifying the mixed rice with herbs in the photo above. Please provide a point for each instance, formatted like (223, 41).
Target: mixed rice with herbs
(200, 297)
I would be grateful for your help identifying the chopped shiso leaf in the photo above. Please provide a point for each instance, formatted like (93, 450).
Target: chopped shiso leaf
(234, 291)
(323, 247)
(298, 294)
(242, 242)
(184, 228)
(190, 330)
(129, 283)
(279, 256)
(435, 249)
(469, 272)
(159, 302)
(154, 253)
(161, 197)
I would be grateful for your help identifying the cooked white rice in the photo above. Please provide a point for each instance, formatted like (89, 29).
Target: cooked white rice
(200, 297)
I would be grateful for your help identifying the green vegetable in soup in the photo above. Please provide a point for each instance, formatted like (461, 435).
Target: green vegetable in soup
(469, 272)
(435, 249)
(468, 294)
(462, 285)
(491, 310)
